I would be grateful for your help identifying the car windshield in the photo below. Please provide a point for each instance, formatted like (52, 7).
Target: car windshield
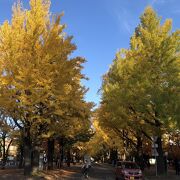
(128, 165)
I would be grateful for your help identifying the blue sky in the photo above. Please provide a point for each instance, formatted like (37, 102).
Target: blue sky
(100, 28)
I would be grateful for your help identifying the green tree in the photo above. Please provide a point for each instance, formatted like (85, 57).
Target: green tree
(140, 91)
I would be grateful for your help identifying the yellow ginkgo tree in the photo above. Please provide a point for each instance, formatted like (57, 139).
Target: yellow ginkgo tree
(40, 84)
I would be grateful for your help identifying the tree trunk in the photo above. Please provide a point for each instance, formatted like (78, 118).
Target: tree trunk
(68, 157)
(50, 153)
(4, 152)
(161, 164)
(27, 152)
(139, 145)
(61, 151)
(21, 164)
(139, 153)
(113, 156)
(35, 159)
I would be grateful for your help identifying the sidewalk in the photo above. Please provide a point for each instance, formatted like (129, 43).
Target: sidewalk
(97, 172)
(150, 174)
(17, 174)
(73, 172)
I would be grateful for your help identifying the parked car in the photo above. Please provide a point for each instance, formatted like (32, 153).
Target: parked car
(128, 170)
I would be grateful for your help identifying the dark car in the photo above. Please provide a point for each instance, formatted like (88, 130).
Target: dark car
(128, 170)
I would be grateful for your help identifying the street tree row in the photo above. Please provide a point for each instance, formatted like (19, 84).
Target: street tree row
(40, 81)
(140, 92)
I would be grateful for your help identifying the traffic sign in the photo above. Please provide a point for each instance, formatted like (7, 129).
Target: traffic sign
(154, 145)
(154, 138)
(154, 152)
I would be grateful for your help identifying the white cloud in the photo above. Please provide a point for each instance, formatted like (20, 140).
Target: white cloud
(177, 11)
(127, 26)
(122, 17)
(153, 2)
(159, 2)
(122, 20)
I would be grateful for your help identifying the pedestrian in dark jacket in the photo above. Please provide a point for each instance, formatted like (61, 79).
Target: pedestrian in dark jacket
(177, 166)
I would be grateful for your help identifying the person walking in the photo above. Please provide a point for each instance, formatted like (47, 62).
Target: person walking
(44, 161)
(177, 166)
(85, 168)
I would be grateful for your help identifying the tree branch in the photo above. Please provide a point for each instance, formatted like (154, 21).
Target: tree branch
(17, 124)
(124, 137)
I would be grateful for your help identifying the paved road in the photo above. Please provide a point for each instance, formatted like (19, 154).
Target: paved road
(97, 172)
(106, 172)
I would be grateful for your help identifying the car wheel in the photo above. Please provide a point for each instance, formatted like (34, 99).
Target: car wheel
(121, 178)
